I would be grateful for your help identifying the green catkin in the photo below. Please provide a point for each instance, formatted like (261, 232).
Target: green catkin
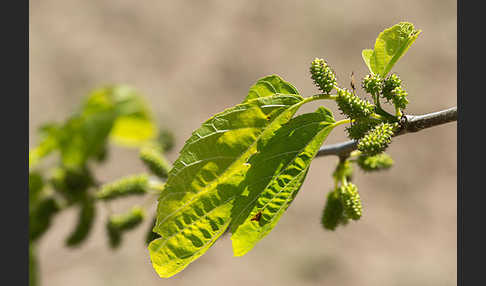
(155, 161)
(353, 106)
(377, 139)
(351, 201)
(85, 222)
(333, 213)
(372, 84)
(133, 185)
(360, 127)
(378, 162)
(150, 234)
(389, 84)
(117, 224)
(322, 75)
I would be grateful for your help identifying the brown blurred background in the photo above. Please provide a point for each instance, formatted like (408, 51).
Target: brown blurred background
(192, 59)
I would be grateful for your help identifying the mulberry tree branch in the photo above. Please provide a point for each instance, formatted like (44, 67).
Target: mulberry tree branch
(412, 123)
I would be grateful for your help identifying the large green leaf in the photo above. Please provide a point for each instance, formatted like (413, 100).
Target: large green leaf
(270, 85)
(195, 207)
(276, 174)
(391, 45)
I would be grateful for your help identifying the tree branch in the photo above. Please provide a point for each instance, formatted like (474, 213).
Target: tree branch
(412, 123)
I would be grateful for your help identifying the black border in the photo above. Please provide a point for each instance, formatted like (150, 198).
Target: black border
(14, 25)
(471, 154)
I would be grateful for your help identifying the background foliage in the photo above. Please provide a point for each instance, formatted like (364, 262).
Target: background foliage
(204, 66)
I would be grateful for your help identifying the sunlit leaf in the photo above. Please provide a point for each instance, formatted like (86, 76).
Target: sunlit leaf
(195, 207)
(276, 174)
(391, 45)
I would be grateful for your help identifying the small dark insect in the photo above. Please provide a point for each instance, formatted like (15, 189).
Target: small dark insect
(257, 216)
(352, 81)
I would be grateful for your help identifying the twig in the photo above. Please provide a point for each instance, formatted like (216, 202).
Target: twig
(412, 123)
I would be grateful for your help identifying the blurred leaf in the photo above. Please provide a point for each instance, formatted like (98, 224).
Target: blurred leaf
(276, 174)
(391, 45)
(195, 207)
(33, 266)
(134, 125)
(86, 216)
(132, 131)
(41, 215)
(49, 143)
(36, 184)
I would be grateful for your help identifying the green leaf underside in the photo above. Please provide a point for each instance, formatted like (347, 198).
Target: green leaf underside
(195, 207)
(391, 45)
(367, 54)
(269, 85)
(276, 174)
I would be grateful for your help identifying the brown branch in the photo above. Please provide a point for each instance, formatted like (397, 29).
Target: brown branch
(412, 123)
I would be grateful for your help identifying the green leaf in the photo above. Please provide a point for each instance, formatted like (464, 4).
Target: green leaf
(195, 207)
(133, 124)
(391, 45)
(270, 85)
(367, 54)
(132, 131)
(276, 174)
(48, 144)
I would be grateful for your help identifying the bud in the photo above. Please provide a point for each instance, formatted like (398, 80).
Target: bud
(323, 76)
(378, 162)
(377, 140)
(351, 201)
(353, 106)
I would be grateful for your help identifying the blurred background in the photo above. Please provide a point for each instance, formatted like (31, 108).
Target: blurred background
(192, 59)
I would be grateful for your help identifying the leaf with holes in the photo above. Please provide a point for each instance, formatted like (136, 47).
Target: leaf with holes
(195, 207)
(276, 174)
